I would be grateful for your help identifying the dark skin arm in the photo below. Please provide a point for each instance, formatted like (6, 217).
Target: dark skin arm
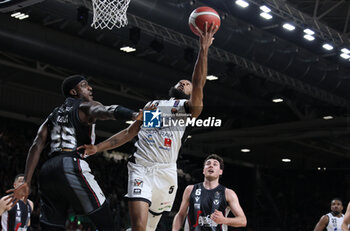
(35, 150)
(91, 111)
(114, 141)
(200, 71)
(346, 221)
(322, 223)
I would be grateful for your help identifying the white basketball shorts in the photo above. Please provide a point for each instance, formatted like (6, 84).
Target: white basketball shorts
(156, 185)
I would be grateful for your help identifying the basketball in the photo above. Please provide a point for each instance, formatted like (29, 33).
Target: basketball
(201, 15)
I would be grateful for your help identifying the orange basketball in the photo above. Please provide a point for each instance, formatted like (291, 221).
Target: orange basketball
(201, 15)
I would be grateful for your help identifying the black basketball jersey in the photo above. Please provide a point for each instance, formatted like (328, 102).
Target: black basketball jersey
(203, 203)
(66, 132)
(17, 218)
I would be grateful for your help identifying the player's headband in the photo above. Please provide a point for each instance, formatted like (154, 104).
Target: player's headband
(69, 83)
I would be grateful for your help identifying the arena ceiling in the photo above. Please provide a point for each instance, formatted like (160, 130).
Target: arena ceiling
(255, 60)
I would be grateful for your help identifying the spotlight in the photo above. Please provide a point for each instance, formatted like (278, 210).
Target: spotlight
(327, 46)
(308, 31)
(82, 15)
(309, 37)
(345, 56)
(265, 9)
(127, 49)
(242, 3)
(20, 15)
(212, 77)
(327, 117)
(277, 100)
(266, 15)
(345, 50)
(288, 26)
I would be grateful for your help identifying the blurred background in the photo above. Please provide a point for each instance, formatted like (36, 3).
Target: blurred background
(281, 91)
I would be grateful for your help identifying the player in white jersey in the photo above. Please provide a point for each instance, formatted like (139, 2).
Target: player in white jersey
(332, 221)
(152, 180)
(152, 171)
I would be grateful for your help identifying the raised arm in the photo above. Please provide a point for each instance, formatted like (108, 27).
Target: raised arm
(322, 223)
(31, 163)
(114, 141)
(181, 215)
(239, 220)
(200, 71)
(346, 221)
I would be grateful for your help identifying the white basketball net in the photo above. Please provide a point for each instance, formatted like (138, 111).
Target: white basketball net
(109, 13)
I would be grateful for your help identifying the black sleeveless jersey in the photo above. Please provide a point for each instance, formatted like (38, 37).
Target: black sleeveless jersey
(17, 218)
(66, 132)
(203, 203)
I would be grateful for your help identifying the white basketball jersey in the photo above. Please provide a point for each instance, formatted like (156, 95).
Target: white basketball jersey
(334, 223)
(162, 145)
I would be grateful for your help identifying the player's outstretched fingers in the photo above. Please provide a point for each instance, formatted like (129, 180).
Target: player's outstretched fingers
(80, 147)
(205, 27)
(214, 30)
(199, 31)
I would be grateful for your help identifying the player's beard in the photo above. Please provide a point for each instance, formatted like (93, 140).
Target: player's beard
(177, 94)
(335, 213)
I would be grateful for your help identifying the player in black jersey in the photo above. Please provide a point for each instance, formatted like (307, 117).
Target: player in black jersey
(17, 217)
(207, 204)
(65, 180)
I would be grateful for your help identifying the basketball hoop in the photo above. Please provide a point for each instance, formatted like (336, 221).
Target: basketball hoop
(109, 13)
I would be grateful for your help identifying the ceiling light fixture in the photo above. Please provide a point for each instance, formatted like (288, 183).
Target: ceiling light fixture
(288, 26)
(266, 15)
(344, 55)
(242, 3)
(265, 9)
(277, 100)
(308, 31)
(328, 46)
(345, 50)
(212, 77)
(19, 15)
(127, 49)
(309, 37)
(327, 117)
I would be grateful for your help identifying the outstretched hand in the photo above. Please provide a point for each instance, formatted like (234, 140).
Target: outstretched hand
(89, 149)
(206, 37)
(19, 193)
(5, 204)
